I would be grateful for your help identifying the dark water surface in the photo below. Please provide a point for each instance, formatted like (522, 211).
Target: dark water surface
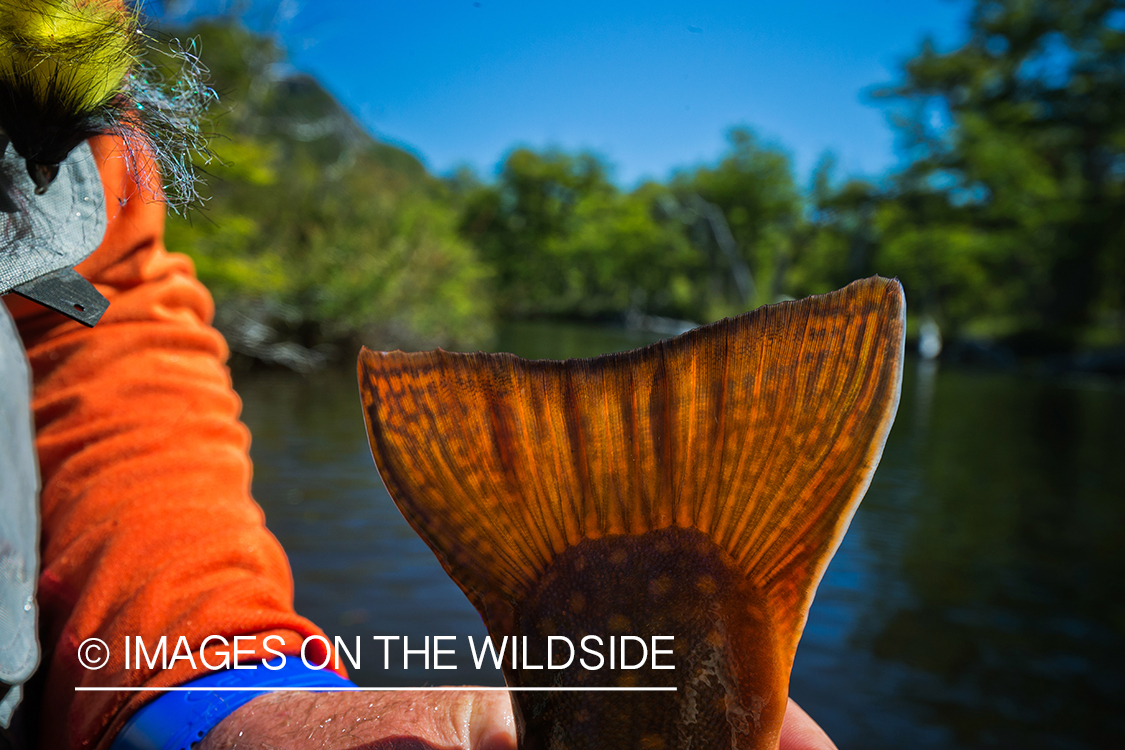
(976, 602)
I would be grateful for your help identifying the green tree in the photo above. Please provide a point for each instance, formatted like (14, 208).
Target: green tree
(1013, 208)
(754, 187)
(837, 244)
(565, 241)
(316, 231)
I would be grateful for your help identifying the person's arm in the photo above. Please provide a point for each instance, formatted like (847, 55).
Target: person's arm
(148, 527)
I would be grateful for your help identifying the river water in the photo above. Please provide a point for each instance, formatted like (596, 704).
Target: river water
(976, 602)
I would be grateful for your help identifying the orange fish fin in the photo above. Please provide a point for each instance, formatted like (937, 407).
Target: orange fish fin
(460, 445)
(813, 387)
(762, 431)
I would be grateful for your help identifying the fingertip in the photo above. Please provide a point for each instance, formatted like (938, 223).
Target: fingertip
(491, 724)
(800, 732)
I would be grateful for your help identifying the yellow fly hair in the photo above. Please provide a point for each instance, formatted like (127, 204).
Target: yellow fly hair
(74, 52)
(72, 69)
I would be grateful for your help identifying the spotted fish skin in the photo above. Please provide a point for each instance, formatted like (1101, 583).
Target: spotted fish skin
(672, 582)
(696, 489)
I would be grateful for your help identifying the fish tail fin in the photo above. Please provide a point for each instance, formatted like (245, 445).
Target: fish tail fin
(761, 431)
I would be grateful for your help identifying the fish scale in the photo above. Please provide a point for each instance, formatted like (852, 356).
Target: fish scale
(673, 582)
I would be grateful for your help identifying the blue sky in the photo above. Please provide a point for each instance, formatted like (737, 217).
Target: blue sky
(650, 86)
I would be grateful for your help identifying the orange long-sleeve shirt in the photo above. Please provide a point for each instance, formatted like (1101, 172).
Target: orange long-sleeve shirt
(148, 527)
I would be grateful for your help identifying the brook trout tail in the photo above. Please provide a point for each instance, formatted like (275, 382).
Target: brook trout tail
(696, 488)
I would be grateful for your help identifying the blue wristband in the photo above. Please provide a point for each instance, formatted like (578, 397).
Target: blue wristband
(178, 719)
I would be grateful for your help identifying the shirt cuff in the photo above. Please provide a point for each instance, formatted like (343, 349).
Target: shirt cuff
(181, 718)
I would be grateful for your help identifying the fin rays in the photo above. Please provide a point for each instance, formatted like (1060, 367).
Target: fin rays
(761, 431)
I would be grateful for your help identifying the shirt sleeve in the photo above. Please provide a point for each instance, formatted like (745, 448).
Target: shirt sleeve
(148, 526)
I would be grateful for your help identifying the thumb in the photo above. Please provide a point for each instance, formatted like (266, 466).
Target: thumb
(800, 732)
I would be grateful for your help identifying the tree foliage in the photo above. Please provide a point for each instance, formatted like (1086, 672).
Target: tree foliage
(565, 241)
(1005, 222)
(316, 229)
(1011, 212)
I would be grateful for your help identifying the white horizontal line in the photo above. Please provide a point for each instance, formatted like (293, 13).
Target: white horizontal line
(372, 689)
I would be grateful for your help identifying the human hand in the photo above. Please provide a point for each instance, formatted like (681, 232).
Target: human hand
(440, 720)
(800, 732)
(454, 720)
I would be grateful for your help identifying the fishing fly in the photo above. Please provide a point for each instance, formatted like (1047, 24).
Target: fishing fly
(74, 69)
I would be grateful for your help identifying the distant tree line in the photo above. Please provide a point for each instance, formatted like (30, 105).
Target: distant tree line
(1008, 222)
